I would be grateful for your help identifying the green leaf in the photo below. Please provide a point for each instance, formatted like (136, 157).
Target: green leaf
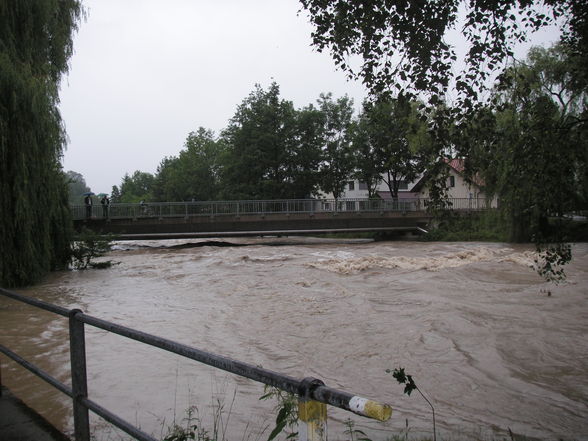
(279, 427)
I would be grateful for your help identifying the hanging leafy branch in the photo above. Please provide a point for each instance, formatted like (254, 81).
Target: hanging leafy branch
(409, 386)
(35, 45)
(403, 45)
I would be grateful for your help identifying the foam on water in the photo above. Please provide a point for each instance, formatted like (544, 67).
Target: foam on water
(350, 265)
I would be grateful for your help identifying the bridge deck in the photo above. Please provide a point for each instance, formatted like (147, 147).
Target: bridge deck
(255, 218)
(254, 225)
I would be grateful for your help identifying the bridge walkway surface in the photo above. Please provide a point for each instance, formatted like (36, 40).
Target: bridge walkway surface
(160, 220)
(18, 422)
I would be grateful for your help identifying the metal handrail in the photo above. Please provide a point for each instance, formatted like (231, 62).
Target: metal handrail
(265, 207)
(308, 389)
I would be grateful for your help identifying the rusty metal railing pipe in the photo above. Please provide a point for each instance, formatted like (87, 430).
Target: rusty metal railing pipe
(37, 371)
(324, 394)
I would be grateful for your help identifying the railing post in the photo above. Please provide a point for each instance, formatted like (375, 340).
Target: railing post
(312, 415)
(77, 351)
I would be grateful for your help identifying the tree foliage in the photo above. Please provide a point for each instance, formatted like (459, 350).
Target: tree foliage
(336, 160)
(403, 44)
(89, 246)
(541, 115)
(259, 141)
(271, 148)
(400, 140)
(76, 185)
(194, 174)
(531, 150)
(365, 161)
(35, 45)
(135, 188)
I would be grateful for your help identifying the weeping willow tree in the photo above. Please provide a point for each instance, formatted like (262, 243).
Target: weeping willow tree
(35, 45)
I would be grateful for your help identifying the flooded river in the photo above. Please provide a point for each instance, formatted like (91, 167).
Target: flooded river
(472, 322)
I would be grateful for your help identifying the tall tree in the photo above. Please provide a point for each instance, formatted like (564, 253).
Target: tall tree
(400, 140)
(35, 45)
(76, 185)
(194, 174)
(138, 187)
(260, 140)
(115, 195)
(167, 178)
(305, 154)
(366, 164)
(337, 160)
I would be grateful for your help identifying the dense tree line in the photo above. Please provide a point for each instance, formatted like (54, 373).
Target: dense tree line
(35, 45)
(271, 150)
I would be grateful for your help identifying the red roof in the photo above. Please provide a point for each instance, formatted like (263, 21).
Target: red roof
(457, 164)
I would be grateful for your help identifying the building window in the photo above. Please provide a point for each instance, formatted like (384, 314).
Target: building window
(402, 185)
(362, 185)
(451, 182)
(351, 185)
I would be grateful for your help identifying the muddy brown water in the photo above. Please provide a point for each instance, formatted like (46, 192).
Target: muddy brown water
(472, 322)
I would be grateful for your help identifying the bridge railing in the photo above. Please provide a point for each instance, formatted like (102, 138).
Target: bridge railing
(313, 394)
(262, 207)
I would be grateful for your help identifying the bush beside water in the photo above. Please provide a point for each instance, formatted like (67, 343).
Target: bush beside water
(487, 226)
(89, 246)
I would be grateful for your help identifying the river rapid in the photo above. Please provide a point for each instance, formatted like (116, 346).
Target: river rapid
(471, 322)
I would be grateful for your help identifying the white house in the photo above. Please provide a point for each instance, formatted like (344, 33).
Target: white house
(457, 188)
(358, 190)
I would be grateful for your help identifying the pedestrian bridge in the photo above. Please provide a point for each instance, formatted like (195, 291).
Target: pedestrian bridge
(168, 220)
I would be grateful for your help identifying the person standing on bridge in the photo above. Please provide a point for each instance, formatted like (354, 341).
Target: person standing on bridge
(88, 204)
(105, 205)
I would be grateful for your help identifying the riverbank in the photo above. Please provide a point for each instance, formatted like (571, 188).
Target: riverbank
(491, 226)
(18, 422)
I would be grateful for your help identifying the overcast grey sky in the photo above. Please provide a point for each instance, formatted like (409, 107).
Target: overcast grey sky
(145, 73)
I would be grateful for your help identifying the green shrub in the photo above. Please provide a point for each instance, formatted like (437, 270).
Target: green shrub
(87, 247)
(490, 226)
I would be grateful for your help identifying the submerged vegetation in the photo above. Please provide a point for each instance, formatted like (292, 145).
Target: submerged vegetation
(87, 247)
(487, 226)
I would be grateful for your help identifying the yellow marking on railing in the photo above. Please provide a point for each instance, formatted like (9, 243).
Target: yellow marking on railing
(312, 411)
(369, 408)
(380, 412)
(312, 417)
